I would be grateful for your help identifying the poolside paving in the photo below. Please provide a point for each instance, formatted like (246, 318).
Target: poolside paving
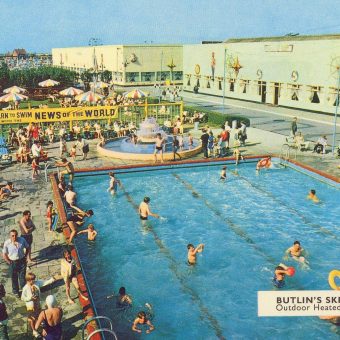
(47, 247)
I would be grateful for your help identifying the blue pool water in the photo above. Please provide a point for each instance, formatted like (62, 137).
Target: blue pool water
(246, 224)
(125, 145)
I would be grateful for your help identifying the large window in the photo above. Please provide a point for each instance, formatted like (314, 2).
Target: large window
(163, 75)
(148, 76)
(132, 77)
(177, 75)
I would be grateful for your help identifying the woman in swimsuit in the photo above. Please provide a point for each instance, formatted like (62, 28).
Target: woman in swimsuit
(52, 329)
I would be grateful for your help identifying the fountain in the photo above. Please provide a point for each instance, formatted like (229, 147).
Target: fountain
(148, 130)
(125, 148)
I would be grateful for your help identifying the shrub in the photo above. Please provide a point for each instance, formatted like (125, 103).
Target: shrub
(217, 118)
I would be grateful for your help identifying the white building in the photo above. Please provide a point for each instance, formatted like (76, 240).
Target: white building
(129, 64)
(293, 71)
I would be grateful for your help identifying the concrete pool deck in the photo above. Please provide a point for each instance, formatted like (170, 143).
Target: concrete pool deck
(47, 247)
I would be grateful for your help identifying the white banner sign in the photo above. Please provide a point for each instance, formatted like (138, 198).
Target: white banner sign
(299, 303)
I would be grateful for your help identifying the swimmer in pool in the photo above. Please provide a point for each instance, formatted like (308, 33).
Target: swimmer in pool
(192, 252)
(296, 252)
(223, 173)
(114, 182)
(144, 210)
(123, 299)
(142, 319)
(91, 233)
(279, 275)
(312, 196)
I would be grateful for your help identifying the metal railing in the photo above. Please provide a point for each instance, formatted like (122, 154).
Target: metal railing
(100, 330)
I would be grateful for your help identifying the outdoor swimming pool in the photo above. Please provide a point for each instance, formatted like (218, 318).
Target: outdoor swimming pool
(246, 224)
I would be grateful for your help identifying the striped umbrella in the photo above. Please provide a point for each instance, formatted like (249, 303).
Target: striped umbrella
(135, 94)
(89, 96)
(71, 91)
(14, 89)
(99, 85)
(13, 97)
(48, 83)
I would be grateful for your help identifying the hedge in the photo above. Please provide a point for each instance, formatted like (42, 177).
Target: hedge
(217, 118)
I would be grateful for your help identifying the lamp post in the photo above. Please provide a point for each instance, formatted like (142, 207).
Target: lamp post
(160, 78)
(336, 111)
(224, 75)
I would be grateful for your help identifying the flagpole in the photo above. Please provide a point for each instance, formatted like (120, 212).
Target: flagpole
(336, 112)
(224, 74)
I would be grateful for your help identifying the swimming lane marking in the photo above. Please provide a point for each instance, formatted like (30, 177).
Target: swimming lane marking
(174, 268)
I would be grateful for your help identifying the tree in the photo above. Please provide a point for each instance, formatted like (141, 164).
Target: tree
(4, 75)
(106, 76)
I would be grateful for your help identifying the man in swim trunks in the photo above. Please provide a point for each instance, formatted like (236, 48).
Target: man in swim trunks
(76, 220)
(312, 196)
(192, 252)
(69, 169)
(27, 227)
(296, 252)
(159, 147)
(144, 210)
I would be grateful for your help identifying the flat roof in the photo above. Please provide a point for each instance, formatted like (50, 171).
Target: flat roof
(285, 38)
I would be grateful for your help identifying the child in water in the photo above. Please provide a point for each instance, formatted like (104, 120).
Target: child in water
(279, 275)
(224, 173)
(91, 233)
(114, 182)
(312, 196)
(192, 253)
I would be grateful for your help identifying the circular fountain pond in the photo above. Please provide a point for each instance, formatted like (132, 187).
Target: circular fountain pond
(143, 149)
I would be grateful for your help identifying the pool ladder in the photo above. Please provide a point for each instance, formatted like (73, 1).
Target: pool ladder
(285, 154)
(99, 330)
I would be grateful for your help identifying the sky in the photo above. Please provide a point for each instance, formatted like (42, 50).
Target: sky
(40, 25)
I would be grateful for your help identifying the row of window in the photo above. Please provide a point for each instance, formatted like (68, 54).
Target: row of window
(132, 77)
(294, 91)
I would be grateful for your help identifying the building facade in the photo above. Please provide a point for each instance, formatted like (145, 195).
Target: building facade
(294, 71)
(129, 64)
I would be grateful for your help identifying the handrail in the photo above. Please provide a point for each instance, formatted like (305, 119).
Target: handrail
(45, 170)
(102, 330)
(96, 318)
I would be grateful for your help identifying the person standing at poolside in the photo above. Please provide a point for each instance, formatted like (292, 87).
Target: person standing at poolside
(159, 147)
(83, 145)
(27, 227)
(144, 210)
(52, 319)
(3, 315)
(69, 274)
(192, 252)
(205, 139)
(293, 128)
(175, 147)
(69, 169)
(14, 253)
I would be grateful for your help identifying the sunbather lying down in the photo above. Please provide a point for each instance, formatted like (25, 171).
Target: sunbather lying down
(6, 190)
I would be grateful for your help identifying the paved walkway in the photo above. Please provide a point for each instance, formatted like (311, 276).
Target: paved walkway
(47, 247)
